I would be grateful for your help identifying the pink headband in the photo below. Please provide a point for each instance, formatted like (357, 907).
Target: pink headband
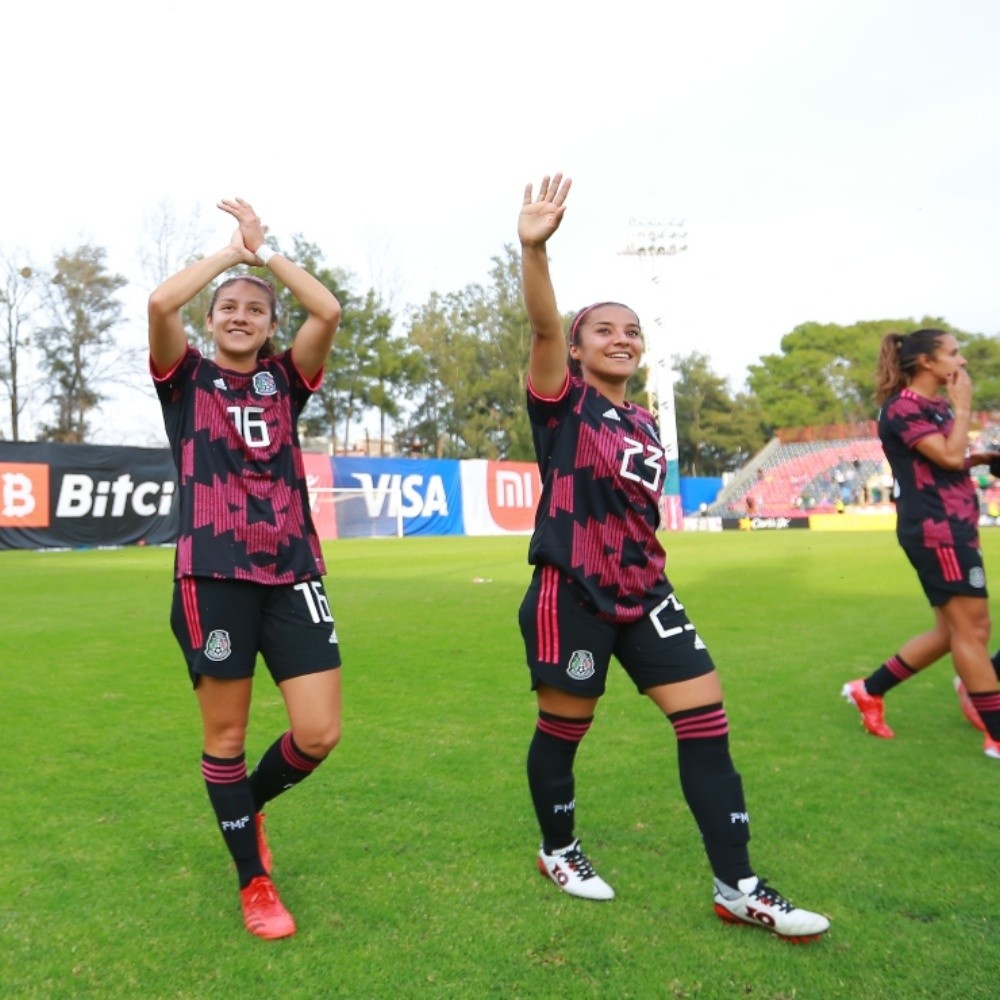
(579, 317)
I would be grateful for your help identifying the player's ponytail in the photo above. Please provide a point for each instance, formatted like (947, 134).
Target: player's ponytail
(897, 359)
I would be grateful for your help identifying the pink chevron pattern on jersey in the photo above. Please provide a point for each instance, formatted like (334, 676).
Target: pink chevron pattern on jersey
(244, 507)
(602, 468)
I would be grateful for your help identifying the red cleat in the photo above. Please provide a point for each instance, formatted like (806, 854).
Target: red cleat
(263, 912)
(262, 846)
(870, 706)
(968, 709)
(991, 748)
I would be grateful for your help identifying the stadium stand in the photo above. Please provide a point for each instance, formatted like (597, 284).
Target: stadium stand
(797, 478)
(793, 478)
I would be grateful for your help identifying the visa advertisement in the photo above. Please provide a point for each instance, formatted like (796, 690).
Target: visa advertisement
(78, 496)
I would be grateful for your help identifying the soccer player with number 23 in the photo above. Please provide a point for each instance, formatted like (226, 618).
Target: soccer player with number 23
(599, 590)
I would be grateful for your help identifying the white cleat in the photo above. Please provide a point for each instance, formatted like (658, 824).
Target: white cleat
(572, 871)
(756, 903)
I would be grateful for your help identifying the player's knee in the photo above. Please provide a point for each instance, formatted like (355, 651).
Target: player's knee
(319, 742)
(226, 742)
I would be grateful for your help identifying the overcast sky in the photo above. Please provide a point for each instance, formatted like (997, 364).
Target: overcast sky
(830, 160)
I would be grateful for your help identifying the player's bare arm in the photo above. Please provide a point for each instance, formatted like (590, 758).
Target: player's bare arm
(950, 451)
(312, 342)
(539, 218)
(167, 340)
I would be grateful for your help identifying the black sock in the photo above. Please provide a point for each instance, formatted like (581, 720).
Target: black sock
(229, 793)
(894, 671)
(988, 707)
(550, 776)
(282, 766)
(713, 790)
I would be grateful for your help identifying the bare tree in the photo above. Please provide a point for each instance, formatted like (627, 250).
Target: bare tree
(79, 353)
(170, 244)
(15, 303)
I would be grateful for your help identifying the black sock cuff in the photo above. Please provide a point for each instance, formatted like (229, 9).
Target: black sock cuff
(689, 713)
(209, 759)
(550, 717)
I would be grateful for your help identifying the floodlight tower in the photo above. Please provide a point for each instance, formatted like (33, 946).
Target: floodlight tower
(654, 242)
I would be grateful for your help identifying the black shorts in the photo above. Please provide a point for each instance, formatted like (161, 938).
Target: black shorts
(946, 571)
(222, 625)
(569, 647)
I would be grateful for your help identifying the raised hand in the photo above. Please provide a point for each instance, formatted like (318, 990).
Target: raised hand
(251, 232)
(540, 217)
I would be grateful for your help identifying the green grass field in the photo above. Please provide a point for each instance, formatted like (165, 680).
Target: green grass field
(408, 858)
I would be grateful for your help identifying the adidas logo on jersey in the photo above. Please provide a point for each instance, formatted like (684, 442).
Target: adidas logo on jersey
(611, 414)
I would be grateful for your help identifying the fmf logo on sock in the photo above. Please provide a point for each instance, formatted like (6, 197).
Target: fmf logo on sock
(739, 817)
(235, 824)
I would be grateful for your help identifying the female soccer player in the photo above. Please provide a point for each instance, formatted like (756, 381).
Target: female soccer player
(925, 437)
(248, 570)
(598, 590)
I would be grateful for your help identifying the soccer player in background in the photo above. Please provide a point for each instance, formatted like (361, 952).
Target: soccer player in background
(248, 567)
(598, 590)
(925, 437)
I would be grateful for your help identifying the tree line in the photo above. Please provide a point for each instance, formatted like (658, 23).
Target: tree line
(446, 379)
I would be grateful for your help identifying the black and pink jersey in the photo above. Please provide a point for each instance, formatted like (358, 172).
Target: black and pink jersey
(935, 507)
(244, 507)
(602, 468)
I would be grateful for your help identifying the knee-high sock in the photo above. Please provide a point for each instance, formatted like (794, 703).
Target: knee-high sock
(713, 789)
(550, 776)
(894, 671)
(282, 766)
(231, 798)
(988, 707)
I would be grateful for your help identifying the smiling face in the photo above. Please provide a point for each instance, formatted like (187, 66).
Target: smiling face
(608, 344)
(241, 320)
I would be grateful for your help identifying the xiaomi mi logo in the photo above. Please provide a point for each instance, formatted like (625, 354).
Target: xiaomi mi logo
(513, 489)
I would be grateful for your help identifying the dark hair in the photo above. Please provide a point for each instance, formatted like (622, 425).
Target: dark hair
(267, 349)
(898, 356)
(577, 321)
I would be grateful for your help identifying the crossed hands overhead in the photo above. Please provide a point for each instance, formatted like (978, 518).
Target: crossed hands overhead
(249, 237)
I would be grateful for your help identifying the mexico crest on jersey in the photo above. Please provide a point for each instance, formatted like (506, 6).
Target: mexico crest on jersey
(264, 384)
(218, 645)
(581, 665)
